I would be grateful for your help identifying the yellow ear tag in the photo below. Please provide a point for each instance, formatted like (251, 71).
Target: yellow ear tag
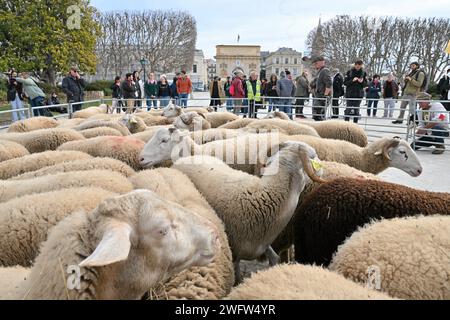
(316, 164)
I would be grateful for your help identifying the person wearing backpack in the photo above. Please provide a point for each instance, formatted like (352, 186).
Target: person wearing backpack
(415, 82)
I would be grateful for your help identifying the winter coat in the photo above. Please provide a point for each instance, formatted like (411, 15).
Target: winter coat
(116, 91)
(302, 87)
(285, 88)
(151, 89)
(239, 92)
(14, 89)
(220, 88)
(164, 90)
(374, 90)
(30, 88)
(444, 86)
(128, 90)
(184, 86)
(338, 86)
(272, 89)
(74, 88)
(394, 86)
(355, 89)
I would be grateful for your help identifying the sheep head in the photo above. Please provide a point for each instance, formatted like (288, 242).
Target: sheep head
(192, 121)
(299, 155)
(400, 155)
(172, 111)
(152, 238)
(164, 143)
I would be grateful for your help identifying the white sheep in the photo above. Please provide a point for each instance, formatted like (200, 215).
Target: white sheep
(32, 124)
(238, 124)
(125, 149)
(100, 131)
(89, 112)
(407, 258)
(80, 165)
(173, 111)
(70, 123)
(33, 162)
(301, 282)
(191, 121)
(205, 136)
(11, 150)
(113, 252)
(43, 139)
(375, 158)
(148, 134)
(11, 280)
(105, 179)
(340, 130)
(244, 152)
(213, 281)
(25, 221)
(282, 126)
(115, 124)
(254, 210)
(217, 119)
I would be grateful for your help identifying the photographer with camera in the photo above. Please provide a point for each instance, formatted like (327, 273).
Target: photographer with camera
(15, 96)
(73, 86)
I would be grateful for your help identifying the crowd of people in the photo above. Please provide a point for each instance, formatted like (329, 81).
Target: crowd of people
(131, 92)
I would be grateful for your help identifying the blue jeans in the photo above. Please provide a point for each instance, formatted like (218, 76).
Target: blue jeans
(272, 104)
(17, 104)
(184, 99)
(38, 102)
(285, 105)
(369, 107)
(229, 104)
(436, 140)
(164, 101)
(151, 102)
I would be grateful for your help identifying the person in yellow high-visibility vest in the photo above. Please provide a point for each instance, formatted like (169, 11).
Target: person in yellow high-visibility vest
(253, 93)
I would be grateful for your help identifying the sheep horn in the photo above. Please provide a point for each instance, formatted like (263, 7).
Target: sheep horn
(392, 144)
(308, 168)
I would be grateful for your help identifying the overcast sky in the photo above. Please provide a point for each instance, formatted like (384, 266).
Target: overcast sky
(276, 23)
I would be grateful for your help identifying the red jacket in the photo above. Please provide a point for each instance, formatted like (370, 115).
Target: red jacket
(239, 92)
(184, 86)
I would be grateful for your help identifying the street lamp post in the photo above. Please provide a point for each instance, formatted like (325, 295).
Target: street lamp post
(144, 62)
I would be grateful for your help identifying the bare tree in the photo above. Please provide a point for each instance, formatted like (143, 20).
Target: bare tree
(385, 44)
(165, 38)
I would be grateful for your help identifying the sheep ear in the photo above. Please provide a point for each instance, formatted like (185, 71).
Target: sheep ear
(378, 153)
(114, 246)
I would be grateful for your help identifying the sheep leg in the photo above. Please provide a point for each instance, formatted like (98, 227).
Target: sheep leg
(237, 272)
(274, 259)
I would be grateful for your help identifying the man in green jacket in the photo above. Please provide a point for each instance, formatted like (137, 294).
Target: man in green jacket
(413, 84)
(34, 93)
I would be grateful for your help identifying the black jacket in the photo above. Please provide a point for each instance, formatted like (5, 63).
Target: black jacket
(355, 89)
(164, 90)
(116, 91)
(13, 89)
(74, 88)
(128, 90)
(338, 86)
(443, 86)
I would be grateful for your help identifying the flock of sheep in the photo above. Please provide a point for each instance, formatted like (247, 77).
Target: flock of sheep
(165, 204)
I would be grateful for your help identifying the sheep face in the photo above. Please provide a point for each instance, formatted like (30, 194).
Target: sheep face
(401, 156)
(129, 121)
(171, 111)
(161, 147)
(152, 239)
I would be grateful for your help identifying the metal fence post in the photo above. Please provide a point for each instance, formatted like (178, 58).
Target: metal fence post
(70, 110)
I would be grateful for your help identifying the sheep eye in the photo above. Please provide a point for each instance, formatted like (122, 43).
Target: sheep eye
(164, 141)
(402, 152)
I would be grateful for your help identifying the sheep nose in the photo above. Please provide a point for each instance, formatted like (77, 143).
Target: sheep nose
(419, 171)
(141, 159)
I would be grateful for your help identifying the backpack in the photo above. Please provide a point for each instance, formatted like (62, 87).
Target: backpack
(232, 90)
(425, 81)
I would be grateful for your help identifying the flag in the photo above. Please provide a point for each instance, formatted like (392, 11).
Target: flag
(239, 37)
(448, 47)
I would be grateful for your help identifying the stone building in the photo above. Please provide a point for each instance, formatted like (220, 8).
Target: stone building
(232, 58)
(212, 68)
(282, 59)
(199, 74)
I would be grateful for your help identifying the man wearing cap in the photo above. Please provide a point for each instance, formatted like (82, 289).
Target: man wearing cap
(73, 86)
(433, 124)
(322, 87)
(413, 83)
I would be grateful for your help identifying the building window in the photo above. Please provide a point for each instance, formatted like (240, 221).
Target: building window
(286, 60)
(295, 60)
(194, 68)
(277, 61)
(295, 71)
(277, 71)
